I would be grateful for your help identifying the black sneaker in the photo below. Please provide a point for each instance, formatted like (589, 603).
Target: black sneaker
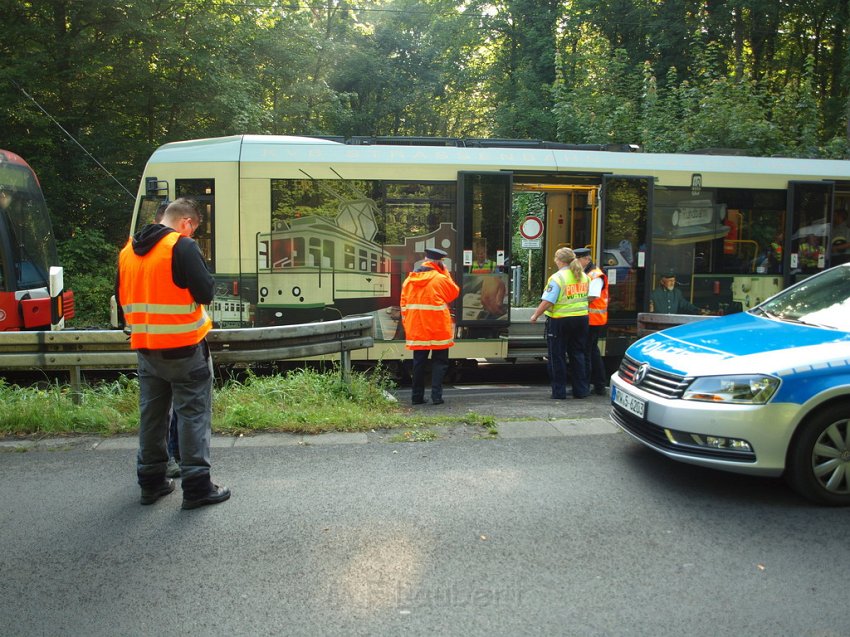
(152, 494)
(216, 495)
(437, 401)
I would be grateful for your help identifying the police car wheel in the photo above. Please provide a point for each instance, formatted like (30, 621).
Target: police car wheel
(819, 458)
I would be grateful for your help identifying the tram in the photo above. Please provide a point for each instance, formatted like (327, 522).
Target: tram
(27, 253)
(300, 229)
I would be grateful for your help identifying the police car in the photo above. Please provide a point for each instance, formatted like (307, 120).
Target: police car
(763, 392)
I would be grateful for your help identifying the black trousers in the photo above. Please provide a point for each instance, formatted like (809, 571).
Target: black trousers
(439, 366)
(593, 358)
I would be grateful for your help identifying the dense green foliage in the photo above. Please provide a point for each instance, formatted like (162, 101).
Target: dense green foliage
(765, 76)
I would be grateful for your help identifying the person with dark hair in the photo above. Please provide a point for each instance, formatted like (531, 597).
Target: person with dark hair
(425, 297)
(565, 304)
(162, 286)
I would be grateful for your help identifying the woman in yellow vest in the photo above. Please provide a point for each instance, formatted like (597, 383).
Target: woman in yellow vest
(565, 303)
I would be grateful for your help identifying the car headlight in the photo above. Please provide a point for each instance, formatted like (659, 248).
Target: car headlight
(746, 389)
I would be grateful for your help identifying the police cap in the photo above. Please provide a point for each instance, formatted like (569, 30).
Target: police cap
(435, 253)
(581, 252)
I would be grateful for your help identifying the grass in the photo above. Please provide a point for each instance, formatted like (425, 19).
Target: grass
(299, 401)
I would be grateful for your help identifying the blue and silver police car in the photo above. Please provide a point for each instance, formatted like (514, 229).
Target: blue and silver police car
(763, 392)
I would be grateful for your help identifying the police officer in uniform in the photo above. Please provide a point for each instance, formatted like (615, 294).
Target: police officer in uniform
(565, 303)
(425, 297)
(597, 319)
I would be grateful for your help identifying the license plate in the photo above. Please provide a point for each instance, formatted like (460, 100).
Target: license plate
(630, 403)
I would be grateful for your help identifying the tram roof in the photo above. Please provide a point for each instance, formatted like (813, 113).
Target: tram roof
(328, 159)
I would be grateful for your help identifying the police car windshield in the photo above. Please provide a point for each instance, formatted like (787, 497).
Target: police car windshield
(822, 301)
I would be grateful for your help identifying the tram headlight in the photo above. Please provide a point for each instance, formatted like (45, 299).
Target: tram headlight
(744, 389)
(296, 291)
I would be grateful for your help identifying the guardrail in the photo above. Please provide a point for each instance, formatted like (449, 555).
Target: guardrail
(75, 350)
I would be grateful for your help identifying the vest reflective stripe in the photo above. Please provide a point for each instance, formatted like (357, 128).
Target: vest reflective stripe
(160, 314)
(159, 308)
(169, 329)
(421, 306)
(429, 344)
(598, 308)
(573, 299)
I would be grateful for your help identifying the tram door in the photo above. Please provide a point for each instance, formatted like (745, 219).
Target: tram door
(484, 251)
(625, 230)
(572, 219)
(810, 208)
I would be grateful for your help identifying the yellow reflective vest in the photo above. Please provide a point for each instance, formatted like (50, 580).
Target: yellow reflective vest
(573, 300)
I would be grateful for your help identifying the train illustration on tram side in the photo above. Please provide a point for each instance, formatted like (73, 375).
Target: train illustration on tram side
(302, 229)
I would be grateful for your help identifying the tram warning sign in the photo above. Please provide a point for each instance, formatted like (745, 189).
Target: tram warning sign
(531, 228)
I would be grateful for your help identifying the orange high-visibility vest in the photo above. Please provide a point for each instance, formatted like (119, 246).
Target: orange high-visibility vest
(425, 298)
(160, 314)
(598, 308)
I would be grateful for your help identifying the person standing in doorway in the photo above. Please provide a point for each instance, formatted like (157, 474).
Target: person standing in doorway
(425, 297)
(163, 284)
(597, 319)
(565, 303)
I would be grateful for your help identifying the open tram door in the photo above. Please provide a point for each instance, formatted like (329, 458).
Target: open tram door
(622, 254)
(808, 244)
(483, 253)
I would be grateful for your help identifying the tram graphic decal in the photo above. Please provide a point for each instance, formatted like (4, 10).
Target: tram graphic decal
(315, 267)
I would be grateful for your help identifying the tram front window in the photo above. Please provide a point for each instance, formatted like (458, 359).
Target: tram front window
(26, 225)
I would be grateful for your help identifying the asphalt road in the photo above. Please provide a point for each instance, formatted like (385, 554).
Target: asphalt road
(562, 526)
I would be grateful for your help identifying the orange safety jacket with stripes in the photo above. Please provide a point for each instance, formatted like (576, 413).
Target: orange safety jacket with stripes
(160, 314)
(425, 298)
(597, 309)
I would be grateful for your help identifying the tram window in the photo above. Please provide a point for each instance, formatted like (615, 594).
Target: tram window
(349, 256)
(328, 256)
(373, 261)
(281, 253)
(298, 251)
(314, 257)
(364, 264)
(203, 192)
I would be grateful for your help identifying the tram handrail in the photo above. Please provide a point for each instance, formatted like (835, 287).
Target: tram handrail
(74, 350)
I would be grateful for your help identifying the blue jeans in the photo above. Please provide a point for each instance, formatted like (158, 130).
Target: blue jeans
(184, 385)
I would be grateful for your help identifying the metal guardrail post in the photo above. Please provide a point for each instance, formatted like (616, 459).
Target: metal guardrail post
(76, 381)
(345, 363)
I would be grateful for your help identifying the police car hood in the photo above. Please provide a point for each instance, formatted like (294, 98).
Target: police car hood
(737, 344)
